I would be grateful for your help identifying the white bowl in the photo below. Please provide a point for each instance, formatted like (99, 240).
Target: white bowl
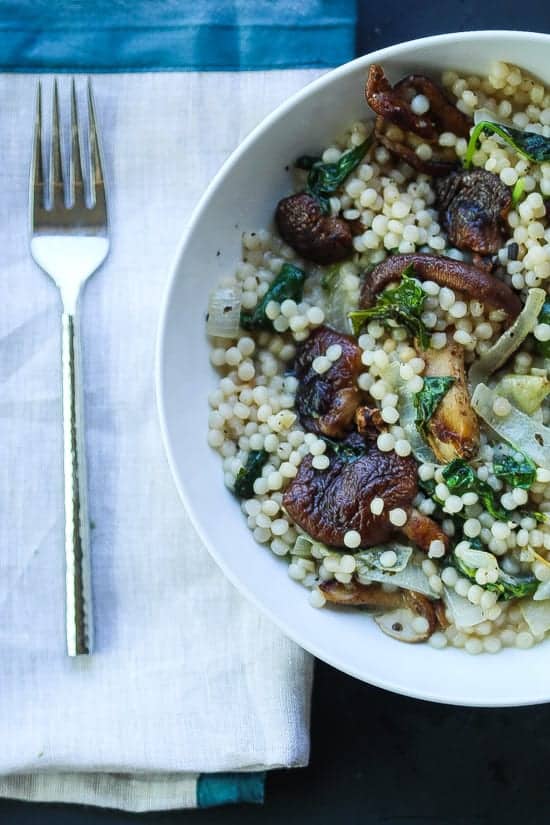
(243, 196)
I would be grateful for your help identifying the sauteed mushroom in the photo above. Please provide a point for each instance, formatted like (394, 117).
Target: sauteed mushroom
(324, 239)
(326, 401)
(393, 105)
(453, 430)
(369, 421)
(422, 530)
(457, 275)
(328, 503)
(398, 608)
(473, 207)
(435, 167)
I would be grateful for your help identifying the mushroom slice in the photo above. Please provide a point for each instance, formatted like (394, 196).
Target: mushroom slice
(393, 106)
(413, 622)
(439, 166)
(398, 608)
(328, 503)
(473, 207)
(326, 402)
(369, 421)
(458, 275)
(399, 625)
(393, 103)
(324, 239)
(422, 530)
(441, 614)
(453, 430)
(355, 594)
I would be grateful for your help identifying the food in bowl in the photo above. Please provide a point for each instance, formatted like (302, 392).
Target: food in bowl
(382, 405)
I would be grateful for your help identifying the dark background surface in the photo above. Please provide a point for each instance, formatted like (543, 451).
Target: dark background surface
(377, 758)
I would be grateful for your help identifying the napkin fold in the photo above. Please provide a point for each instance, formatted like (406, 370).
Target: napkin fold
(187, 678)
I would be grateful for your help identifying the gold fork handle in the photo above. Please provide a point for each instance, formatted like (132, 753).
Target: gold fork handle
(77, 529)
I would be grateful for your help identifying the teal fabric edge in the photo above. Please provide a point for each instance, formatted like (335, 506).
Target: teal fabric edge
(184, 48)
(230, 788)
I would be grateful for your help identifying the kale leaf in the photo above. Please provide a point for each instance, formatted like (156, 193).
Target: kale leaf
(460, 478)
(517, 471)
(428, 399)
(325, 178)
(247, 475)
(507, 586)
(402, 305)
(289, 283)
(529, 145)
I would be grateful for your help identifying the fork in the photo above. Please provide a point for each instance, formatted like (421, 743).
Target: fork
(69, 241)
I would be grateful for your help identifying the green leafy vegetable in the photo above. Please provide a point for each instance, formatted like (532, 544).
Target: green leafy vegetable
(518, 191)
(289, 283)
(460, 478)
(527, 144)
(330, 278)
(402, 305)
(518, 472)
(325, 178)
(428, 487)
(247, 475)
(428, 399)
(543, 347)
(508, 587)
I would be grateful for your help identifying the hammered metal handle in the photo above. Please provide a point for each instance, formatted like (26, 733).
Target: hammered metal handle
(77, 529)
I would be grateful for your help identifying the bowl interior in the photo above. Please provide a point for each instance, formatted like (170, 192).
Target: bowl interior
(242, 197)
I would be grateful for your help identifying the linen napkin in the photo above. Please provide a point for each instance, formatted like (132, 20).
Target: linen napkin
(191, 693)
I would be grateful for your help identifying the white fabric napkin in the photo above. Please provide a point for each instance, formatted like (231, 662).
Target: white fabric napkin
(187, 677)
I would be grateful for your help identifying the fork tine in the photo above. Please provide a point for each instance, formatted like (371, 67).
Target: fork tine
(56, 170)
(98, 186)
(37, 173)
(76, 171)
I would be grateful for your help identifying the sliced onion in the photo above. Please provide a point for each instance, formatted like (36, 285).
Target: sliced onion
(542, 592)
(464, 613)
(407, 419)
(372, 555)
(510, 340)
(481, 115)
(537, 615)
(411, 578)
(303, 546)
(518, 429)
(527, 392)
(480, 559)
(224, 312)
(407, 415)
(341, 301)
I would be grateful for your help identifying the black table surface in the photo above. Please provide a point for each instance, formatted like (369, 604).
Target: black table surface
(378, 758)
